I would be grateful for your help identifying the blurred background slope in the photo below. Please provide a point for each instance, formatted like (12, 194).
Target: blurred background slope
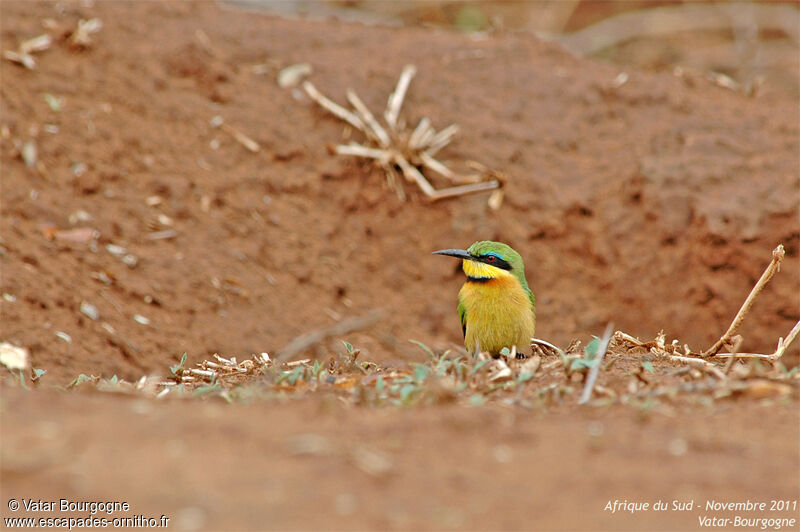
(752, 46)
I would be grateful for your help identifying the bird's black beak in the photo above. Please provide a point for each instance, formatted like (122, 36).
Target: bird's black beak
(458, 253)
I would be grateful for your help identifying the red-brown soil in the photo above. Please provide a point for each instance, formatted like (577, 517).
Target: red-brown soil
(654, 205)
(490, 468)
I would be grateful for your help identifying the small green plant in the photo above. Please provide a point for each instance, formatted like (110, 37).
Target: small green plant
(290, 376)
(470, 19)
(421, 372)
(206, 389)
(592, 347)
(522, 378)
(478, 366)
(352, 351)
(425, 348)
(574, 363)
(477, 399)
(406, 391)
(295, 375)
(315, 371)
(80, 379)
(351, 360)
(177, 370)
(788, 373)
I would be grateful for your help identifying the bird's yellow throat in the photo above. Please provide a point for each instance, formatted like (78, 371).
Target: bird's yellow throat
(498, 314)
(481, 270)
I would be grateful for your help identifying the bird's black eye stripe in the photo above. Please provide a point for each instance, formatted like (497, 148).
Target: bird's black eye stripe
(494, 260)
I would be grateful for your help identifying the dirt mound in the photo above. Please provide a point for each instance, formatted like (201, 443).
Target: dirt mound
(139, 224)
(653, 204)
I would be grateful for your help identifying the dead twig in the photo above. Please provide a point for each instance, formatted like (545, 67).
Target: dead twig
(361, 151)
(291, 75)
(704, 365)
(24, 53)
(241, 138)
(542, 343)
(734, 354)
(441, 139)
(366, 115)
(332, 107)
(666, 20)
(659, 348)
(82, 36)
(411, 173)
(744, 355)
(783, 344)
(226, 372)
(774, 266)
(421, 135)
(308, 339)
(595, 370)
(396, 98)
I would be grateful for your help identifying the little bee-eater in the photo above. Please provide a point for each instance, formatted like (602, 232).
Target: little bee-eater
(496, 307)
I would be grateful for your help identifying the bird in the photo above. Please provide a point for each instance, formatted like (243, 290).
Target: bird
(496, 307)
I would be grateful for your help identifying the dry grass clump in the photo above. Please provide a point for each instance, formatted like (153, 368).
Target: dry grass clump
(397, 147)
(630, 372)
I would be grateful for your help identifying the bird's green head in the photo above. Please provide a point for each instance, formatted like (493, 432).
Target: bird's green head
(486, 260)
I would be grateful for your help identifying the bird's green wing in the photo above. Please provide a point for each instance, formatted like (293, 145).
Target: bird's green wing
(462, 314)
(533, 300)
